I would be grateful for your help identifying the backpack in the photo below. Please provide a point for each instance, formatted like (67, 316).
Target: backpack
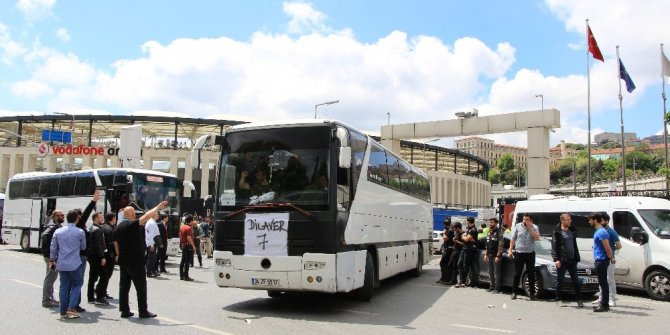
(47, 235)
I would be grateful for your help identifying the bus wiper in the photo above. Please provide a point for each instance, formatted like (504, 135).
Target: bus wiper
(270, 205)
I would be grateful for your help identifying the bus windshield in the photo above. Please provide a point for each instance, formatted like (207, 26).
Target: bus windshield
(658, 221)
(150, 190)
(275, 165)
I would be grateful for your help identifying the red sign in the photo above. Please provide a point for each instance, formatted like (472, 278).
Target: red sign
(43, 150)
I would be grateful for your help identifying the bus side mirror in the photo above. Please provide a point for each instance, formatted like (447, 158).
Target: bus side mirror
(345, 157)
(638, 236)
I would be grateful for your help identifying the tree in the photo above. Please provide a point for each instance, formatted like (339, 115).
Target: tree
(494, 176)
(611, 145)
(506, 163)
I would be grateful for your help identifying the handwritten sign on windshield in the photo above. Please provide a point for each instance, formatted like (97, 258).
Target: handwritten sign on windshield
(266, 234)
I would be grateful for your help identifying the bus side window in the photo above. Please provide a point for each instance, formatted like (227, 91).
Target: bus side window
(623, 222)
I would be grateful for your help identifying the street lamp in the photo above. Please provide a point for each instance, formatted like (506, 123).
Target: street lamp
(541, 96)
(324, 104)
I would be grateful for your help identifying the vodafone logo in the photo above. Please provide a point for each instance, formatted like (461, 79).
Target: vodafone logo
(43, 149)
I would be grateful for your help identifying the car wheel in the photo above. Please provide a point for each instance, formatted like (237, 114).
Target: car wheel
(25, 241)
(657, 285)
(365, 293)
(539, 290)
(419, 263)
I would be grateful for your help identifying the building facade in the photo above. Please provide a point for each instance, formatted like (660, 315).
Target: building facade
(490, 151)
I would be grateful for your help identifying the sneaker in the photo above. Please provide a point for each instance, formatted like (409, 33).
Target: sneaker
(612, 303)
(72, 314)
(600, 309)
(101, 301)
(91, 301)
(147, 315)
(187, 279)
(459, 285)
(126, 315)
(513, 296)
(109, 297)
(79, 309)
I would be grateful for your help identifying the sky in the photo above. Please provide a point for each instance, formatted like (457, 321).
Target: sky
(407, 61)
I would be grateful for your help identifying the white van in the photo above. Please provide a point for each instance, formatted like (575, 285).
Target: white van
(642, 223)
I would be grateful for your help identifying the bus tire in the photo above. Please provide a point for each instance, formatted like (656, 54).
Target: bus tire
(419, 263)
(25, 241)
(365, 293)
(275, 294)
(657, 285)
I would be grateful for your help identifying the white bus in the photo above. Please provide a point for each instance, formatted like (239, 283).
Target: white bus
(32, 197)
(315, 205)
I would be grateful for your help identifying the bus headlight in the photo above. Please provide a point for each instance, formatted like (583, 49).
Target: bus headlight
(314, 265)
(224, 262)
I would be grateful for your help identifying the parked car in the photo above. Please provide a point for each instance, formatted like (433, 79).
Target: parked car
(545, 271)
(438, 239)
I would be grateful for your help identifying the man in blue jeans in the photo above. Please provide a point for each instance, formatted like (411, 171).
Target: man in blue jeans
(602, 254)
(66, 244)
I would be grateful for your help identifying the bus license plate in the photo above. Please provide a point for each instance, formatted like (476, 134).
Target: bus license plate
(589, 280)
(264, 282)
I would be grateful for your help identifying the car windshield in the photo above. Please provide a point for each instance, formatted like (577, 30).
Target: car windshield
(275, 165)
(658, 221)
(543, 246)
(150, 190)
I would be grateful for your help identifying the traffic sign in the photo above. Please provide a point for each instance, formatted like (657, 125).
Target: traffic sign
(57, 136)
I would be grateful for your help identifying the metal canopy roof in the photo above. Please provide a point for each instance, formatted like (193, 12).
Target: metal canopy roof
(98, 127)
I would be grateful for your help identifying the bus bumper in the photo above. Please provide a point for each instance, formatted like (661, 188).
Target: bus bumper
(309, 272)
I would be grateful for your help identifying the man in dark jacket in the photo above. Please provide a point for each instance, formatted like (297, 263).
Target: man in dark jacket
(160, 259)
(97, 262)
(110, 254)
(57, 219)
(566, 256)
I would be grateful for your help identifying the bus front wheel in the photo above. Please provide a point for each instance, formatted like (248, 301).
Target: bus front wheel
(25, 241)
(365, 293)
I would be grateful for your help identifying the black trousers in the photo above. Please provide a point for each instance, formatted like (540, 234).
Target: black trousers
(452, 266)
(108, 272)
(521, 260)
(186, 258)
(601, 271)
(160, 259)
(470, 266)
(196, 241)
(571, 267)
(95, 272)
(135, 274)
(444, 264)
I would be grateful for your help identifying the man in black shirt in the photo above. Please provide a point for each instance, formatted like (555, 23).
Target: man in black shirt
(97, 262)
(452, 266)
(469, 255)
(110, 253)
(447, 249)
(160, 259)
(130, 247)
(565, 253)
(493, 256)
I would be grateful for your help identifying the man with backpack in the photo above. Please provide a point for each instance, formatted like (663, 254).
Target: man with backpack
(57, 219)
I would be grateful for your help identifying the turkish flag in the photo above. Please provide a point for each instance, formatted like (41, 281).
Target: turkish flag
(593, 46)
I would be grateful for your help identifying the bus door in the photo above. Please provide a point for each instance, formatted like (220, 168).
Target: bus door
(35, 223)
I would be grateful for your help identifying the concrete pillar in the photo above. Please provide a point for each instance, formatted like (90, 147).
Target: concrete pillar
(538, 159)
(4, 171)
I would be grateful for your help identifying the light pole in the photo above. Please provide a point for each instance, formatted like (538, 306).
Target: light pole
(324, 104)
(541, 96)
(388, 118)
(71, 125)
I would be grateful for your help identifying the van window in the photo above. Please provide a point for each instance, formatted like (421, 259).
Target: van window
(623, 222)
(658, 220)
(546, 222)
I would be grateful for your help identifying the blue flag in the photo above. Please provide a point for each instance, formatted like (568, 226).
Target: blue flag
(630, 86)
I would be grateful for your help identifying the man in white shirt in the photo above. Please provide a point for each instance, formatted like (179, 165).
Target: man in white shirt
(150, 234)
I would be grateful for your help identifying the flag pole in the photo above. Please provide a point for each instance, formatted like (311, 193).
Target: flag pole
(588, 112)
(665, 123)
(623, 142)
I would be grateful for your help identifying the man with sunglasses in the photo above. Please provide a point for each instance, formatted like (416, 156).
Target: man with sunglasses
(57, 219)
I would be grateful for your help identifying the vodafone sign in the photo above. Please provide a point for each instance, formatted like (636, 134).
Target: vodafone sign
(43, 149)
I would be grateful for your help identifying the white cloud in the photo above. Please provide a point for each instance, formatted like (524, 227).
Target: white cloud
(304, 18)
(35, 10)
(60, 69)
(63, 35)
(9, 48)
(31, 89)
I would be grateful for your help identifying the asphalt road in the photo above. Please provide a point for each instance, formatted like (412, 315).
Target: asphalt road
(403, 305)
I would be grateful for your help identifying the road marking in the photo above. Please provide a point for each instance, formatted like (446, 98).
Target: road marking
(643, 302)
(484, 328)
(26, 283)
(209, 330)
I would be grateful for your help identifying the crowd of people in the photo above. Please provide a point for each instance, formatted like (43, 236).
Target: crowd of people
(136, 244)
(462, 247)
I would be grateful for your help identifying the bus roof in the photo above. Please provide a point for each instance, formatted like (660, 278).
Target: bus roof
(286, 123)
(138, 171)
